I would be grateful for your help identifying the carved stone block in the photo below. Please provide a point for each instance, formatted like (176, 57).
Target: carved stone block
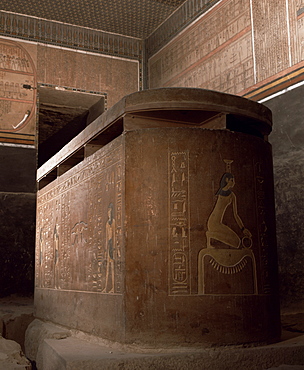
(165, 235)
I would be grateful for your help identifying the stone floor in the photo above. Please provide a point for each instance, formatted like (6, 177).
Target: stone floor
(16, 313)
(72, 353)
(55, 348)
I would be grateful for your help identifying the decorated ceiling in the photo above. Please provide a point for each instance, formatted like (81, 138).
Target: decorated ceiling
(135, 18)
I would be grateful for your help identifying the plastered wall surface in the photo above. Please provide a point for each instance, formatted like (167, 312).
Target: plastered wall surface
(114, 76)
(24, 63)
(235, 47)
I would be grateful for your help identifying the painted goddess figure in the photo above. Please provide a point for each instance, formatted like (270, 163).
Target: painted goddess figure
(216, 229)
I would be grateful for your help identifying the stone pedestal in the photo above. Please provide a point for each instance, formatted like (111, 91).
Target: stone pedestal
(156, 225)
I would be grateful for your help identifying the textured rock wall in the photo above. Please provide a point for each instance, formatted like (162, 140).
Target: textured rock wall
(17, 214)
(287, 140)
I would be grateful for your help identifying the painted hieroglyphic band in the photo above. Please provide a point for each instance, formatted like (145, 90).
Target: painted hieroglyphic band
(67, 35)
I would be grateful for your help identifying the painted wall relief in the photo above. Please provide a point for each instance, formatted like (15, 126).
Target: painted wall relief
(17, 104)
(222, 60)
(228, 253)
(79, 229)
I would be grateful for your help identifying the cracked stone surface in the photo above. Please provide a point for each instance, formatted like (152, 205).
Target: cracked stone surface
(12, 357)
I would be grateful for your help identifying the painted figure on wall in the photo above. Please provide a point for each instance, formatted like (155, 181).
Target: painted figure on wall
(110, 247)
(216, 229)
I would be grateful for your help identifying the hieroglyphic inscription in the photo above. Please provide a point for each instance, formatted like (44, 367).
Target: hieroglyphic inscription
(179, 239)
(229, 70)
(119, 229)
(105, 233)
(44, 254)
(215, 53)
(270, 37)
(300, 28)
(262, 228)
(17, 104)
(293, 27)
(65, 234)
(79, 226)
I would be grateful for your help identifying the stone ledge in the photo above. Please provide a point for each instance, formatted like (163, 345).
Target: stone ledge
(62, 349)
(37, 332)
(16, 313)
(11, 356)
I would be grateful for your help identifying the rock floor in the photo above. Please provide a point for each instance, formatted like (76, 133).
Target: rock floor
(74, 353)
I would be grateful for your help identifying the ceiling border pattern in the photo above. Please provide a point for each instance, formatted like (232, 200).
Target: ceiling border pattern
(73, 37)
(70, 36)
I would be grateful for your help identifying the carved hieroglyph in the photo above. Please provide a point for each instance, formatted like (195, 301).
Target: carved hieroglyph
(179, 263)
(234, 251)
(79, 231)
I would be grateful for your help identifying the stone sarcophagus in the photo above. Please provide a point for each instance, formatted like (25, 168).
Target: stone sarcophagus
(155, 225)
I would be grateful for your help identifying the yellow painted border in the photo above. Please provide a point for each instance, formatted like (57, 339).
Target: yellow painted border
(275, 83)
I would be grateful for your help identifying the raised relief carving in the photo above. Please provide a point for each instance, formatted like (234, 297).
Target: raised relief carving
(110, 250)
(228, 252)
(56, 256)
(78, 233)
(216, 228)
(80, 238)
(79, 260)
(39, 265)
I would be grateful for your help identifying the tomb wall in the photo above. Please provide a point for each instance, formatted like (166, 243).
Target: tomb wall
(251, 48)
(40, 66)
